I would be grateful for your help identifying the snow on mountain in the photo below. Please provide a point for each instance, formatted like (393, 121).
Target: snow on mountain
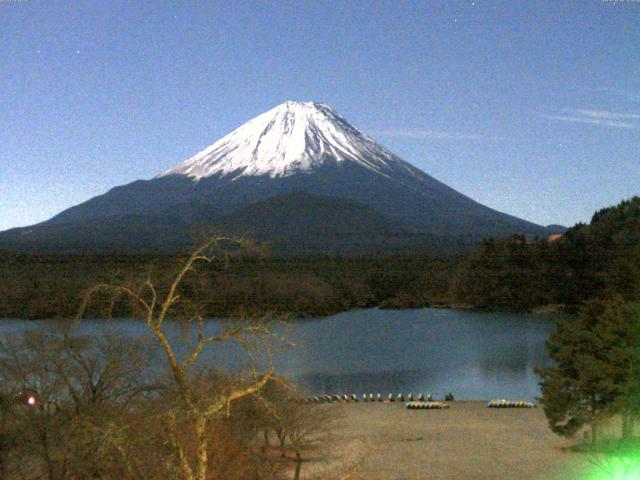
(296, 148)
(293, 137)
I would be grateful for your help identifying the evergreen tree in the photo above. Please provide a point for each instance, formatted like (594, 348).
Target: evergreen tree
(596, 368)
(622, 320)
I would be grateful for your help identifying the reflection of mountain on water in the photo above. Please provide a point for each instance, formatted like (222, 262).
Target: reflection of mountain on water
(468, 382)
(390, 381)
(476, 355)
(512, 361)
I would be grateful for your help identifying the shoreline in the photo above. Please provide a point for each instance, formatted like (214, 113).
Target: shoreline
(544, 310)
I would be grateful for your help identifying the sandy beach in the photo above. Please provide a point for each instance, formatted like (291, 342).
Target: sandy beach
(466, 442)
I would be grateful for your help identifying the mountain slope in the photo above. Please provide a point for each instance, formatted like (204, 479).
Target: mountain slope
(295, 147)
(331, 225)
(292, 223)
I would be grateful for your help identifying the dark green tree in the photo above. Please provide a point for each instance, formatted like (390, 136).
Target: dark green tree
(595, 371)
(623, 322)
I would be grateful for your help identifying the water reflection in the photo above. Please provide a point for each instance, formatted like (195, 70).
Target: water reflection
(475, 355)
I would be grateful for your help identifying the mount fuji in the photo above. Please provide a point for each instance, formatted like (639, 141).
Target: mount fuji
(300, 167)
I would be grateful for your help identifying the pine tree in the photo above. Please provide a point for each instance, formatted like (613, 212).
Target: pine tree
(596, 368)
(622, 321)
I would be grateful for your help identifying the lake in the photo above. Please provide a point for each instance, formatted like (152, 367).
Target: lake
(474, 355)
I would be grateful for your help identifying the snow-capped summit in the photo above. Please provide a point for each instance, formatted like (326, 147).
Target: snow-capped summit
(291, 138)
(298, 168)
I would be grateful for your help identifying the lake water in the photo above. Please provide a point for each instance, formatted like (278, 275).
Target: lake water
(475, 355)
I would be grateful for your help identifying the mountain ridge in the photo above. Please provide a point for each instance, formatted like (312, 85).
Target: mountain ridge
(294, 147)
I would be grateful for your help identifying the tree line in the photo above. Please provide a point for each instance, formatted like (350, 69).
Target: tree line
(595, 260)
(50, 286)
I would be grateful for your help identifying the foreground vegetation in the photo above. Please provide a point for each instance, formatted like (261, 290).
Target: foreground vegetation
(596, 371)
(77, 407)
(100, 409)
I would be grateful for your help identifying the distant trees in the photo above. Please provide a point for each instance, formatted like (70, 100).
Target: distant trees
(511, 274)
(599, 260)
(597, 369)
(52, 286)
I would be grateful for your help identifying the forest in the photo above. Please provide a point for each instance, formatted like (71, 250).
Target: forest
(600, 259)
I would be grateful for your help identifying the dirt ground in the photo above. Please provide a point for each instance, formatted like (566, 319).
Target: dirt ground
(466, 442)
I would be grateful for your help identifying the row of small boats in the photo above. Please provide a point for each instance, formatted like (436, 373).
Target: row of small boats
(426, 405)
(368, 397)
(510, 404)
(419, 402)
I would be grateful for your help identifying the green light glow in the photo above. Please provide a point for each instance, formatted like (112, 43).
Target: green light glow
(612, 467)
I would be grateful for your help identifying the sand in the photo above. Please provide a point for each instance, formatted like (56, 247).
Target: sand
(466, 442)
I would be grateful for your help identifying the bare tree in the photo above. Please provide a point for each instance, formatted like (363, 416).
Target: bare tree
(309, 429)
(70, 385)
(9, 403)
(27, 363)
(197, 407)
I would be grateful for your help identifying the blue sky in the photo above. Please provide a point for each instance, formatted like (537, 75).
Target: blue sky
(532, 108)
